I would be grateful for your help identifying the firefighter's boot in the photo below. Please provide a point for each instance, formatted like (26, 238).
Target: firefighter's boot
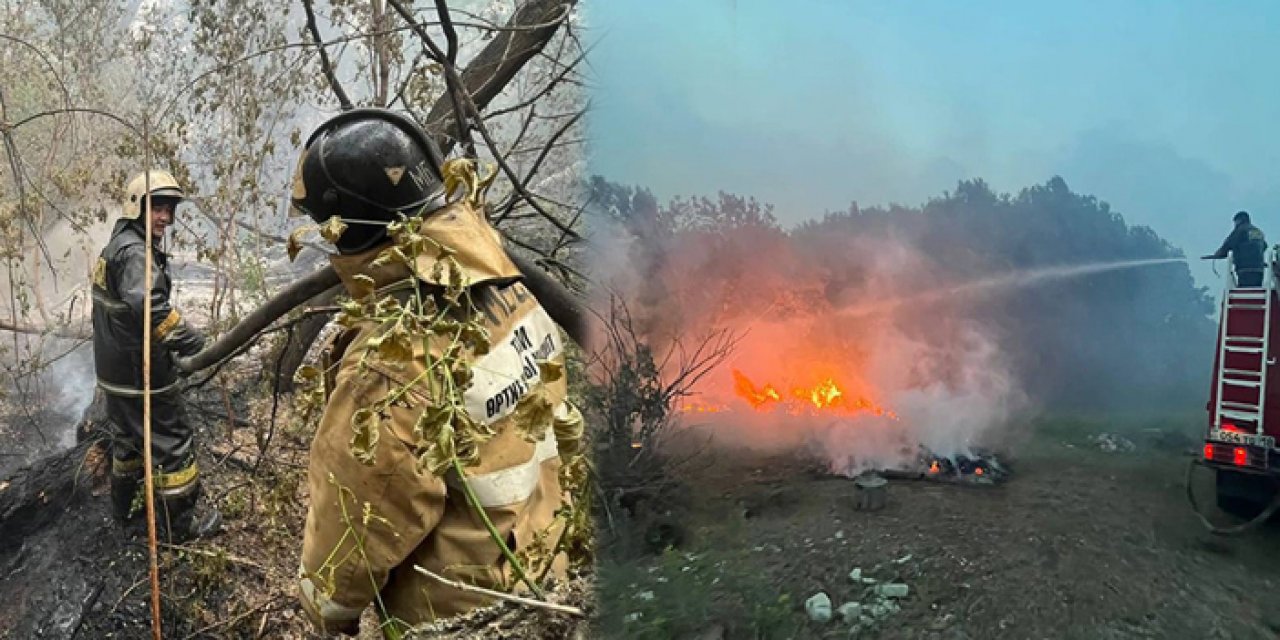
(181, 518)
(178, 516)
(126, 480)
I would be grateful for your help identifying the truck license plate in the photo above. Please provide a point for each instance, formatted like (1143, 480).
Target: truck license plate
(1242, 438)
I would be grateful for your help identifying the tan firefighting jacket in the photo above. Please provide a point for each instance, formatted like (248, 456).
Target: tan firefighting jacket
(368, 526)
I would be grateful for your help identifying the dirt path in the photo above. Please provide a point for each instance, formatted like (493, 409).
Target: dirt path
(1078, 544)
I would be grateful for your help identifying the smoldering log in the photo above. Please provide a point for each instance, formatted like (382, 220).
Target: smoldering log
(35, 494)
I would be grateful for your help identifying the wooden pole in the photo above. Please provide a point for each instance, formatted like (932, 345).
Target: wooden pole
(147, 480)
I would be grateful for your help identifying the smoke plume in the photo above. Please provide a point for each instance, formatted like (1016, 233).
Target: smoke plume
(815, 368)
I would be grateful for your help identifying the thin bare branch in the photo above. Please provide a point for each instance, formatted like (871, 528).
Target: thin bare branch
(455, 85)
(450, 34)
(53, 71)
(492, 69)
(537, 163)
(325, 64)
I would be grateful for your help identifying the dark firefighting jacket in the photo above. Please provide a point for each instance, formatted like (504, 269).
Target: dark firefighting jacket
(1247, 246)
(119, 292)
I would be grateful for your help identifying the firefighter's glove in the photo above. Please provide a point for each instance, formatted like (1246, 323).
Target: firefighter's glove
(184, 341)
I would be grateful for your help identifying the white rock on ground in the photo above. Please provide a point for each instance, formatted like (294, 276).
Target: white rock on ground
(856, 575)
(818, 607)
(893, 590)
(850, 612)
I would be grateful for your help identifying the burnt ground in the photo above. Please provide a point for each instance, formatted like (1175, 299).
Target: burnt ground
(1078, 543)
(67, 570)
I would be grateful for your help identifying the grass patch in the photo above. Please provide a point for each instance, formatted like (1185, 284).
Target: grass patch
(683, 592)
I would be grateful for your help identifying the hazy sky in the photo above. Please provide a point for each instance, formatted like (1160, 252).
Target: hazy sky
(1170, 111)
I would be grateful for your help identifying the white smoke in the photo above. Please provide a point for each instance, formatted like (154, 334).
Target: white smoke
(930, 380)
(970, 407)
(72, 380)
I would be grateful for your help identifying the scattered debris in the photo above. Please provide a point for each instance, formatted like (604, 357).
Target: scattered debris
(1112, 443)
(645, 596)
(850, 612)
(818, 607)
(879, 599)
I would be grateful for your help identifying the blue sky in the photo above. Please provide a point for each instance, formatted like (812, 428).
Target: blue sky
(1170, 111)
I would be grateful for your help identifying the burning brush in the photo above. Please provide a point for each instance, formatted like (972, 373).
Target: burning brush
(978, 468)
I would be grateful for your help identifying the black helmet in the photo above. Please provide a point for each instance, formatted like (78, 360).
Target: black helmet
(1241, 217)
(367, 167)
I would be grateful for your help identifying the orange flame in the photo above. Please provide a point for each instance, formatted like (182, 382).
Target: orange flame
(826, 395)
(698, 407)
(748, 391)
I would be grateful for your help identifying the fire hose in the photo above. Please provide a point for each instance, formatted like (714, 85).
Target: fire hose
(1226, 531)
(554, 297)
(559, 303)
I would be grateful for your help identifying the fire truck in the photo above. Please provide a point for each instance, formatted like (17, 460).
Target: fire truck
(1244, 402)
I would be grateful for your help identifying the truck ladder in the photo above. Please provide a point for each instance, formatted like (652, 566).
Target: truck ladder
(1239, 303)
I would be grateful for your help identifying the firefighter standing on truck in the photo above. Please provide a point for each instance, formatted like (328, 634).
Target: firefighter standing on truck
(368, 168)
(119, 291)
(1247, 246)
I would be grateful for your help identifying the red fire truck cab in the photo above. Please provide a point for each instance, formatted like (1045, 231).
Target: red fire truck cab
(1244, 401)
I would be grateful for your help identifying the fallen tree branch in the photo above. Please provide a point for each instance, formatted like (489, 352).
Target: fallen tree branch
(262, 317)
(559, 303)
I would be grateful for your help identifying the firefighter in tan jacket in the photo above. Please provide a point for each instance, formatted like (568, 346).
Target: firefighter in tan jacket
(378, 510)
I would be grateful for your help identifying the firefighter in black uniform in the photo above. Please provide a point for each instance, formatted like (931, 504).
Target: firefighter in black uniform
(119, 291)
(1247, 246)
